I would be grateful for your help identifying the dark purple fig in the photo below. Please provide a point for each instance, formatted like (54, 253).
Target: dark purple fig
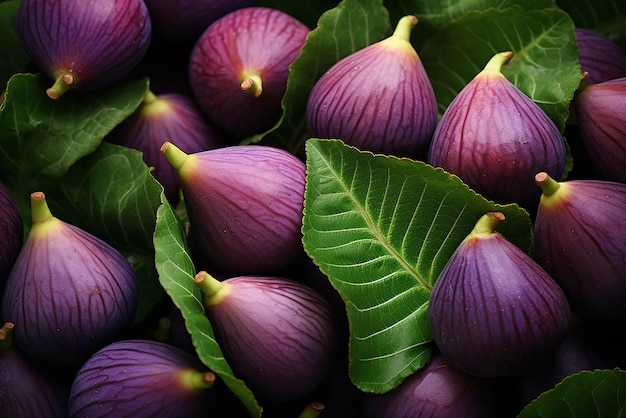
(278, 335)
(601, 116)
(493, 310)
(239, 66)
(25, 390)
(11, 231)
(496, 139)
(580, 240)
(82, 44)
(181, 21)
(378, 99)
(244, 204)
(437, 390)
(69, 293)
(171, 116)
(599, 56)
(142, 378)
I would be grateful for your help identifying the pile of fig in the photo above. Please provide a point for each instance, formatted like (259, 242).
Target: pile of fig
(165, 244)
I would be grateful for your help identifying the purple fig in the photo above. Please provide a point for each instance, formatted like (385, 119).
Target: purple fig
(26, 391)
(141, 378)
(11, 231)
(239, 66)
(493, 310)
(173, 116)
(378, 99)
(437, 390)
(82, 44)
(244, 204)
(496, 139)
(599, 56)
(69, 293)
(601, 117)
(580, 240)
(278, 335)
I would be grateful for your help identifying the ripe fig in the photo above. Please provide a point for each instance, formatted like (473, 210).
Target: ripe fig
(496, 139)
(82, 44)
(601, 117)
(494, 311)
(171, 116)
(378, 99)
(244, 204)
(69, 293)
(277, 334)
(143, 378)
(239, 66)
(580, 240)
(11, 231)
(599, 56)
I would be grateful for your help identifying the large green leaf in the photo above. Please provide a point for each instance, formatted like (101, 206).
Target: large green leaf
(382, 229)
(13, 58)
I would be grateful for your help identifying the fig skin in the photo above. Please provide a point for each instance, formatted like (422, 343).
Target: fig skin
(238, 68)
(599, 56)
(142, 378)
(11, 231)
(69, 293)
(244, 204)
(84, 45)
(493, 311)
(496, 139)
(169, 115)
(601, 117)
(378, 99)
(580, 240)
(277, 334)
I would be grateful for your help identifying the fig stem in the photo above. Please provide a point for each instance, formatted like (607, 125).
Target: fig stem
(404, 27)
(312, 410)
(194, 379)
(6, 336)
(174, 155)
(253, 84)
(212, 289)
(61, 85)
(40, 212)
(488, 223)
(149, 98)
(497, 61)
(548, 185)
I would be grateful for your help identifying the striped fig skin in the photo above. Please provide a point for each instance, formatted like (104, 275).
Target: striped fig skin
(378, 99)
(69, 293)
(278, 335)
(142, 378)
(580, 239)
(599, 56)
(601, 115)
(496, 139)
(494, 311)
(11, 231)
(97, 43)
(249, 42)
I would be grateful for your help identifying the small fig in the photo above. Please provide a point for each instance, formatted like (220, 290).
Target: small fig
(239, 66)
(378, 98)
(494, 311)
(69, 293)
(495, 138)
(601, 117)
(86, 45)
(11, 231)
(278, 335)
(599, 56)
(244, 204)
(141, 378)
(580, 240)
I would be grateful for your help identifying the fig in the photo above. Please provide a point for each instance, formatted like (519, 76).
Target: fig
(277, 334)
(496, 139)
(175, 117)
(580, 240)
(11, 231)
(437, 390)
(239, 66)
(378, 98)
(599, 56)
(244, 204)
(84, 45)
(69, 293)
(25, 389)
(143, 378)
(601, 117)
(493, 310)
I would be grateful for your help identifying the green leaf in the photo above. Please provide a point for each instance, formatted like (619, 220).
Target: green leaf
(176, 273)
(382, 229)
(13, 58)
(599, 393)
(607, 17)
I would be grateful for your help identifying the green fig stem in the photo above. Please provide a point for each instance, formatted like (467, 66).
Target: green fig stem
(548, 185)
(174, 155)
(497, 61)
(193, 379)
(149, 98)
(62, 84)
(212, 289)
(252, 84)
(40, 212)
(487, 223)
(6, 336)
(312, 410)
(404, 27)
